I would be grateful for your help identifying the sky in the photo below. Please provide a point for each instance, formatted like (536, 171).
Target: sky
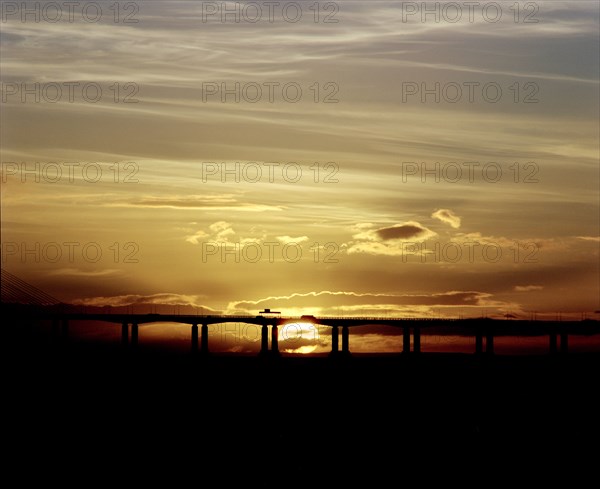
(329, 158)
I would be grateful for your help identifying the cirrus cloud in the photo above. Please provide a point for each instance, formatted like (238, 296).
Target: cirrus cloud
(527, 288)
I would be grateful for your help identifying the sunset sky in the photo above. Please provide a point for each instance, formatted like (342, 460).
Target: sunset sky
(350, 215)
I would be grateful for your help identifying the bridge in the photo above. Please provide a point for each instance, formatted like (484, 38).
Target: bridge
(483, 330)
(22, 302)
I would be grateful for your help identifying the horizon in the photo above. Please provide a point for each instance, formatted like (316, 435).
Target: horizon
(51, 321)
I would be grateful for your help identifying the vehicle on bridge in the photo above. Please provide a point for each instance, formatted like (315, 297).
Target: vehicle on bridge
(268, 311)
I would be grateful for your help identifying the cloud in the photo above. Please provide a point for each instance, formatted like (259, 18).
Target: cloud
(337, 303)
(197, 237)
(403, 231)
(413, 240)
(326, 303)
(172, 130)
(217, 202)
(388, 240)
(221, 229)
(75, 272)
(527, 288)
(526, 246)
(159, 303)
(289, 239)
(220, 232)
(409, 230)
(447, 217)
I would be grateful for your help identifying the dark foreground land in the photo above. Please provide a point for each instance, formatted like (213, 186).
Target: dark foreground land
(96, 395)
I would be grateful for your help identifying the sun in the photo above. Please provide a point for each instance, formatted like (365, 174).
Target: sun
(299, 333)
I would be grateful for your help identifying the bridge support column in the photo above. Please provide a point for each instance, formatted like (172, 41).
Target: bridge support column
(406, 339)
(194, 338)
(478, 342)
(264, 340)
(417, 340)
(553, 343)
(564, 342)
(334, 340)
(134, 335)
(489, 342)
(345, 340)
(274, 339)
(204, 339)
(125, 334)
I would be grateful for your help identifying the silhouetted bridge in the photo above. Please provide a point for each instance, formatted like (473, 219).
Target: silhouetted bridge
(484, 330)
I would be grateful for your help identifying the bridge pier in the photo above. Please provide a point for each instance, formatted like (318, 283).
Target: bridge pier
(564, 342)
(489, 342)
(194, 338)
(274, 339)
(264, 340)
(417, 340)
(134, 335)
(345, 340)
(125, 334)
(335, 340)
(204, 339)
(406, 339)
(478, 342)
